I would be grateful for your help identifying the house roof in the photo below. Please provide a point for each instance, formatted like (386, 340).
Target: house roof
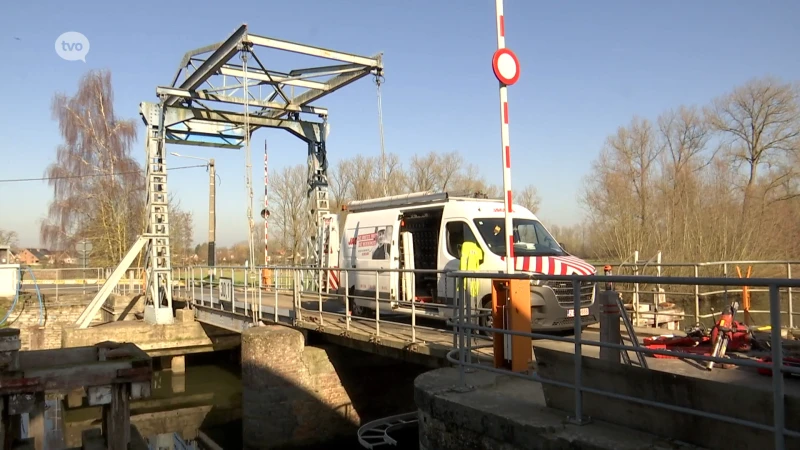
(40, 253)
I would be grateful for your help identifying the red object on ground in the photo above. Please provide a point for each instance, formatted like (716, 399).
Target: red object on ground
(740, 337)
(787, 361)
(678, 345)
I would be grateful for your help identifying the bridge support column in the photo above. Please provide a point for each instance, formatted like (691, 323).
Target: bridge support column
(177, 364)
(291, 393)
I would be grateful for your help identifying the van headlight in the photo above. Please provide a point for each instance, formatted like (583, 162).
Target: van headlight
(536, 282)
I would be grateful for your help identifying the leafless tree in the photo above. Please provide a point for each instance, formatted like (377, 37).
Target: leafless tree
(760, 121)
(289, 208)
(97, 186)
(8, 237)
(528, 197)
(702, 186)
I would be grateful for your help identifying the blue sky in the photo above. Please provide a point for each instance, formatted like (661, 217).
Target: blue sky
(587, 68)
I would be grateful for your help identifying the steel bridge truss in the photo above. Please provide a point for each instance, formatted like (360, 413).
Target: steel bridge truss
(220, 95)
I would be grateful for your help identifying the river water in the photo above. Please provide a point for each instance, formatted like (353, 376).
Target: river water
(184, 410)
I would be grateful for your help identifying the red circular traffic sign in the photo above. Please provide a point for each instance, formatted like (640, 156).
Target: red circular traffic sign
(506, 66)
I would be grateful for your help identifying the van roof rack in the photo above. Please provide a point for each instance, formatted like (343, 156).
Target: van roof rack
(412, 199)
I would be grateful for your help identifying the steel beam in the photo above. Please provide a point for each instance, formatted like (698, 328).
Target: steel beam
(204, 95)
(307, 131)
(311, 50)
(211, 65)
(266, 78)
(334, 84)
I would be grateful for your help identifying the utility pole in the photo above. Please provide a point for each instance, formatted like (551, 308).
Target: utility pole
(212, 207)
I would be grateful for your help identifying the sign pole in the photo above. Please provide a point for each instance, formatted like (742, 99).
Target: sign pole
(506, 69)
(510, 308)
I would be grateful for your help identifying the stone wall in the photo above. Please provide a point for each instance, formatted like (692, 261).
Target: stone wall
(501, 412)
(291, 393)
(297, 394)
(58, 312)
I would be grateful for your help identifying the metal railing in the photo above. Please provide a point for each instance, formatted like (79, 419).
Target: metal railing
(700, 300)
(464, 352)
(309, 290)
(75, 281)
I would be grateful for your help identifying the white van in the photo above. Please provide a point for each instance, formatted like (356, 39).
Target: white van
(424, 231)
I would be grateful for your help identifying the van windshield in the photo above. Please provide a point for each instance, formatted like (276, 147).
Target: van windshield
(530, 237)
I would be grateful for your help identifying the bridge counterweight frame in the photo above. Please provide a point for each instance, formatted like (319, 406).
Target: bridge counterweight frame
(192, 112)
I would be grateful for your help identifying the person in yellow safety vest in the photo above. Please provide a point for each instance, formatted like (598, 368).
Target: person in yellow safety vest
(471, 258)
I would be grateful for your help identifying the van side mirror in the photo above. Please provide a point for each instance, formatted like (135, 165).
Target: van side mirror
(563, 247)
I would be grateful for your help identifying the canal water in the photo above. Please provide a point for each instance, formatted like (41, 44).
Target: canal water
(184, 410)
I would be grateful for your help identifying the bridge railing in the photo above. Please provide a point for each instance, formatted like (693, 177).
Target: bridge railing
(77, 280)
(466, 328)
(259, 289)
(700, 303)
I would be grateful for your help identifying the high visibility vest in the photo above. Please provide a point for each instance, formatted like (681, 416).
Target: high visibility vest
(471, 255)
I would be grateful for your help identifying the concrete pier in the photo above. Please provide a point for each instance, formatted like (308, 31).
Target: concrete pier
(291, 393)
(499, 412)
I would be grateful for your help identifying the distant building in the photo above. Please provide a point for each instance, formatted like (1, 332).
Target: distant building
(33, 256)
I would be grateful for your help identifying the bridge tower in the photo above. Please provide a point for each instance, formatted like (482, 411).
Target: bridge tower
(220, 95)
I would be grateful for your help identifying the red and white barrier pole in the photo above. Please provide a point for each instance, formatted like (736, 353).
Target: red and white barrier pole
(516, 350)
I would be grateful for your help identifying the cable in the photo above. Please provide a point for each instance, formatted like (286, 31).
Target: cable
(67, 177)
(378, 80)
(38, 294)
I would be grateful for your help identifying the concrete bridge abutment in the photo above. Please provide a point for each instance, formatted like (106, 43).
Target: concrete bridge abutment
(291, 393)
(298, 389)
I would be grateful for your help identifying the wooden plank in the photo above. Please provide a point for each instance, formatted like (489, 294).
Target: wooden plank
(117, 418)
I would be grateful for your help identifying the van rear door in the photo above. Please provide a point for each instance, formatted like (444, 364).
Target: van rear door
(372, 248)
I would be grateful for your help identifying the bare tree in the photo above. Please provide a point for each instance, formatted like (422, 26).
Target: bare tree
(761, 123)
(528, 197)
(290, 210)
(97, 186)
(8, 238)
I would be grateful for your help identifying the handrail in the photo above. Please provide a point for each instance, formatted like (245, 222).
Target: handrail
(462, 353)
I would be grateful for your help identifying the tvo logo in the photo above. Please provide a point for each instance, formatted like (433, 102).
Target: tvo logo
(72, 46)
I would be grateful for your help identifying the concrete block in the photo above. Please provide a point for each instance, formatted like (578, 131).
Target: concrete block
(742, 399)
(508, 413)
(178, 383)
(184, 315)
(75, 399)
(178, 364)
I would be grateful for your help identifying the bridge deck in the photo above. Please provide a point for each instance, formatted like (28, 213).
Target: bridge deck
(328, 316)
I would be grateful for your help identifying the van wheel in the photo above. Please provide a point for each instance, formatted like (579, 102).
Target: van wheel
(486, 320)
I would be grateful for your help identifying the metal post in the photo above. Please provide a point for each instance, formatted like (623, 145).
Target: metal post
(275, 280)
(467, 295)
(636, 289)
(506, 146)
(696, 295)
(414, 312)
(576, 294)
(609, 326)
(462, 358)
(777, 365)
(347, 299)
(212, 209)
(791, 307)
(377, 304)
